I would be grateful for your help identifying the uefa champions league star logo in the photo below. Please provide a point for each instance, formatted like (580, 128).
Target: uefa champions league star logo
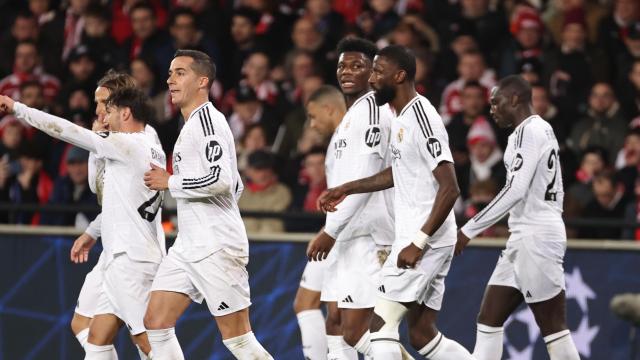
(522, 321)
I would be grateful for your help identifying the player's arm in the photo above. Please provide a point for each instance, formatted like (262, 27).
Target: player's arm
(332, 197)
(519, 179)
(60, 128)
(219, 177)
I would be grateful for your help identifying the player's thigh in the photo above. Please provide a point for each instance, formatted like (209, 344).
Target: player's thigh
(498, 302)
(550, 314)
(306, 300)
(233, 324)
(165, 308)
(104, 328)
(79, 323)
(334, 319)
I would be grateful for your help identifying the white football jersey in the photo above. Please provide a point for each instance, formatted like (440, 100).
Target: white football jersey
(358, 149)
(533, 193)
(419, 143)
(130, 211)
(206, 185)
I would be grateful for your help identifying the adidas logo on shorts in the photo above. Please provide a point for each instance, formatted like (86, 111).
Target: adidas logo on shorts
(381, 289)
(528, 294)
(223, 306)
(348, 299)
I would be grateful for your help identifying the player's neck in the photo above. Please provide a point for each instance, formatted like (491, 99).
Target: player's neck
(521, 115)
(192, 105)
(132, 127)
(350, 99)
(337, 120)
(404, 94)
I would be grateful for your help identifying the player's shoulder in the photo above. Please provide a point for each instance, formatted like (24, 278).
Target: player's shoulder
(365, 110)
(419, 114)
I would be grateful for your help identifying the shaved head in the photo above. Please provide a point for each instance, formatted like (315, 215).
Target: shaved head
(516, 85)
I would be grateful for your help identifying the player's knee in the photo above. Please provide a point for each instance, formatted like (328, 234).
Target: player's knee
(153, 322)
(352, 335)
(303, 301)
(78, 324)
(419, 337)
(485, 318)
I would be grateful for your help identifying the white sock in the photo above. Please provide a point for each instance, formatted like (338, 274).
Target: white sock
(142, 355)
(313, 334)
(339, 349)
(246, 347)
(82, 337)
(488, 342)
(100, 352)
(561, 347)
(164, 344)
(385, 345)
(364, 344)
(441, 348)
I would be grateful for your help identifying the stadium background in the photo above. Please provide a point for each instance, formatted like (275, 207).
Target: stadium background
(582, 56)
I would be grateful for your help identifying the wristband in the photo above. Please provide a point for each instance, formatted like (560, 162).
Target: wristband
(421, 239)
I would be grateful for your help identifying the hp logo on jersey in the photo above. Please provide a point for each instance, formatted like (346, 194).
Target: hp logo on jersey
(434, 147)
(213, 151)
(372, 137)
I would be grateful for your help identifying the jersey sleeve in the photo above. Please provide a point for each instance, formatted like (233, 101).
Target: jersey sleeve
(95, 227)
(431, 138)
(105, 144)
(211, 147)
(519, 177)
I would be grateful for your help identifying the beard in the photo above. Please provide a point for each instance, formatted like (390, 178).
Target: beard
(384, 95)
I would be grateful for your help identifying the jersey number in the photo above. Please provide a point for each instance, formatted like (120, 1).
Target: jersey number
(149, 209)
(551, 163)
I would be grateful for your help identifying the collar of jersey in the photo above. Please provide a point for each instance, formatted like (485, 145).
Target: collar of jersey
(410, 103)
(360, 99)
(525, 121)
(197, 109)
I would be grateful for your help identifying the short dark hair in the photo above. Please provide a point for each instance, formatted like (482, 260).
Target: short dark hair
(143, 5)
(202, 63)
(597, 150)
(116, 81)
(179, 11)
(135, 100)
(250, 14)
(98, 11)
(323, 92)
(473, 84)
(518, 86)
(359, 45)
(31, 83)
(402, 57)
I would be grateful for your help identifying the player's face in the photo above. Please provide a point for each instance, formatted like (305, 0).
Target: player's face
(499, 105)
(353, 72)
(183, 81)
(382, 80)
(319, 118)
(113, 118)
(100, 96)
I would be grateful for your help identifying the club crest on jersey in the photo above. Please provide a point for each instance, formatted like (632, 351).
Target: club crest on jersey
(517, 163)
(400, 134)
(396, 152)
(372, 137)
(213, 151)
(434, 147)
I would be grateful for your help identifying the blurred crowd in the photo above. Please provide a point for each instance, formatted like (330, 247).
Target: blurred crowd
(581, 56)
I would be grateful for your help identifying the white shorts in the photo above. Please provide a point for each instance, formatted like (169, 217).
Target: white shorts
(126, 286)
(91, 289)
(424, 284)
(533, 265)
(319, 276)
(329, 292)
(358, 265)
(221, 279)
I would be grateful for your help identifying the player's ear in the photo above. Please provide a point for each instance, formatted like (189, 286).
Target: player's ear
(204, 81)
(126, 113)
(400, 76)
(514, 100)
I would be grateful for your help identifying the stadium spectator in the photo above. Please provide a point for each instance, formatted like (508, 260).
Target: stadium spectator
(311, 180)
(543, 106)
(97, 38)
(527, 31)
(557, 11)
(299, 65)
(628, 161)
(329, 22)
(24, 28)
(121, 23)
(631, 98)
(471, 67)
(147, 38)
(41, 9)
(382, 17)
(428, 82)
(12, 134)
(253, 139)
(263, 192)
(632, 213)
(248, 110)
(210, 17)
(579, 194)
(473, 100)
(574, 66)
(480, 195)
(604, 124)
(26, 67)
(485, 158)
(72, 189)
(413, 33)
(530, 69)
(608, 203)
(81, 74)
(307, 37)
(256, 72)
(245, 41)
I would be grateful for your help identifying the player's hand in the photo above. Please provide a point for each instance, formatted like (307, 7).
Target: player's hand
(6, 104)
(330, 198)
(462, 242)
(157, 178)
(81, 247)
(320, 246)
(409, 256)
